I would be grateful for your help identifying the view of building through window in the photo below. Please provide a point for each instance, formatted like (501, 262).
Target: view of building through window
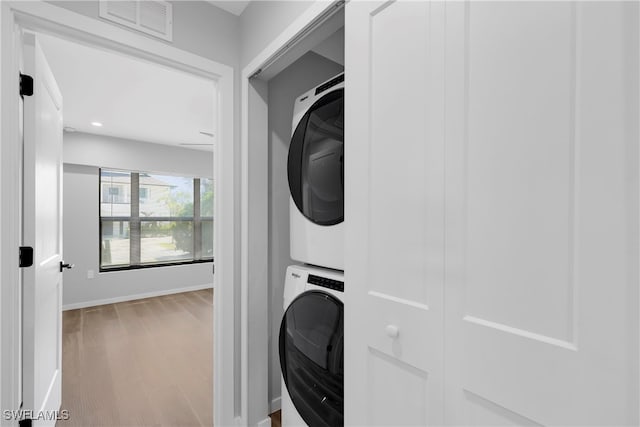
(150, 219)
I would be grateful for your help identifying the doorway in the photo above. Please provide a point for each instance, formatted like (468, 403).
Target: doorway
(272, 84)
(50, 19)
(138, 175)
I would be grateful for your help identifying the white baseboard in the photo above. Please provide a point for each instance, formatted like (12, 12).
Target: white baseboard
(124, 298)
(264, 423)
(276, 405)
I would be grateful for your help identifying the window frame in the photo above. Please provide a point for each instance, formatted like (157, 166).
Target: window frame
(135, 221)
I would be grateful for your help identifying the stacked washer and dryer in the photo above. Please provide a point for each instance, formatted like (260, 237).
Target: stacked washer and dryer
(312, 328)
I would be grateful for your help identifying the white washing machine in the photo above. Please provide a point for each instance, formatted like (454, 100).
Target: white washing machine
(316, 176)
(312, 348)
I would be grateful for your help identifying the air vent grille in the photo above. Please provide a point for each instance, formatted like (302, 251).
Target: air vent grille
(154, 17)
(123, 9)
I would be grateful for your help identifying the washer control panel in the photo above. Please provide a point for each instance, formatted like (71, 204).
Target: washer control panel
(325, 282)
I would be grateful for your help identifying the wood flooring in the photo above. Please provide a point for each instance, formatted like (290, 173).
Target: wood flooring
(140, 363)
(276, 419)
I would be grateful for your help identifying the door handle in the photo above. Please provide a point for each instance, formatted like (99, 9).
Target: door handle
(67, 266)
(392, 331)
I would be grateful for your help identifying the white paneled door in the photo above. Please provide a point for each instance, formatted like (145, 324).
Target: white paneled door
(541, 196)
(42, 282)
(394, 187)
(491, 177)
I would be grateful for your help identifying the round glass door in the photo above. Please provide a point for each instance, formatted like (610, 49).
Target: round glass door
(312, 359)
(315, 163)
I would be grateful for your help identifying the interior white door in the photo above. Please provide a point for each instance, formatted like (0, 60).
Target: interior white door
(542, 210)
(491, 197)
(42, 282)
(393, 213)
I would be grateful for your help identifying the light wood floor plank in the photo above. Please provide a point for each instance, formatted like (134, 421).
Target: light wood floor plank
(140, 363)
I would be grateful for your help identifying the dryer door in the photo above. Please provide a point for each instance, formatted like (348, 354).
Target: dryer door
(311, 357)
(315, 164)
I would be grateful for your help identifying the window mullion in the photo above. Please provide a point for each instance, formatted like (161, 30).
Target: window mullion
(197, 224)
(134, 226)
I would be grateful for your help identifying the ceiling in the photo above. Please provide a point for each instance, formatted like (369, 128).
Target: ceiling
(132, 98)
(234, 6)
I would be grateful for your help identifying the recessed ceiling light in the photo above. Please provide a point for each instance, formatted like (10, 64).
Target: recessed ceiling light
(96, 124)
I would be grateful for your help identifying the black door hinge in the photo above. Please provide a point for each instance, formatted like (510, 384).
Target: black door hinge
(26, 256)
(26, 85)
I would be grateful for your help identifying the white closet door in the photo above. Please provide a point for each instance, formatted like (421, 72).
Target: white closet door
(541, 255)
(393, 208)
(491, 204)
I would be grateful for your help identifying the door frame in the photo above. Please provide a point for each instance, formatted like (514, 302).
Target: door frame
(288, 46)
(46, 18)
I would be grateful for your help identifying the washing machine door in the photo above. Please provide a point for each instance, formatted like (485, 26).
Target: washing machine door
(312, 359)
(315, 163)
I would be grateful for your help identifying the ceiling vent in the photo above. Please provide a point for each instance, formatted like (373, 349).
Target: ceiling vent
(152, 17)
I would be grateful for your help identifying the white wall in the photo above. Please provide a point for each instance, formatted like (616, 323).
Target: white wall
(333, 47)
(83, 155)
(307, 72)
(105, 151)
(198, 27)
(262, 21)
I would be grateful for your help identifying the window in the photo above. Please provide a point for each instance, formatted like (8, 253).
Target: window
(154, 220)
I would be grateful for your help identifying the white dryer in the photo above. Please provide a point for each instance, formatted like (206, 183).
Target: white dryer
(311, 348)
(316, 176)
